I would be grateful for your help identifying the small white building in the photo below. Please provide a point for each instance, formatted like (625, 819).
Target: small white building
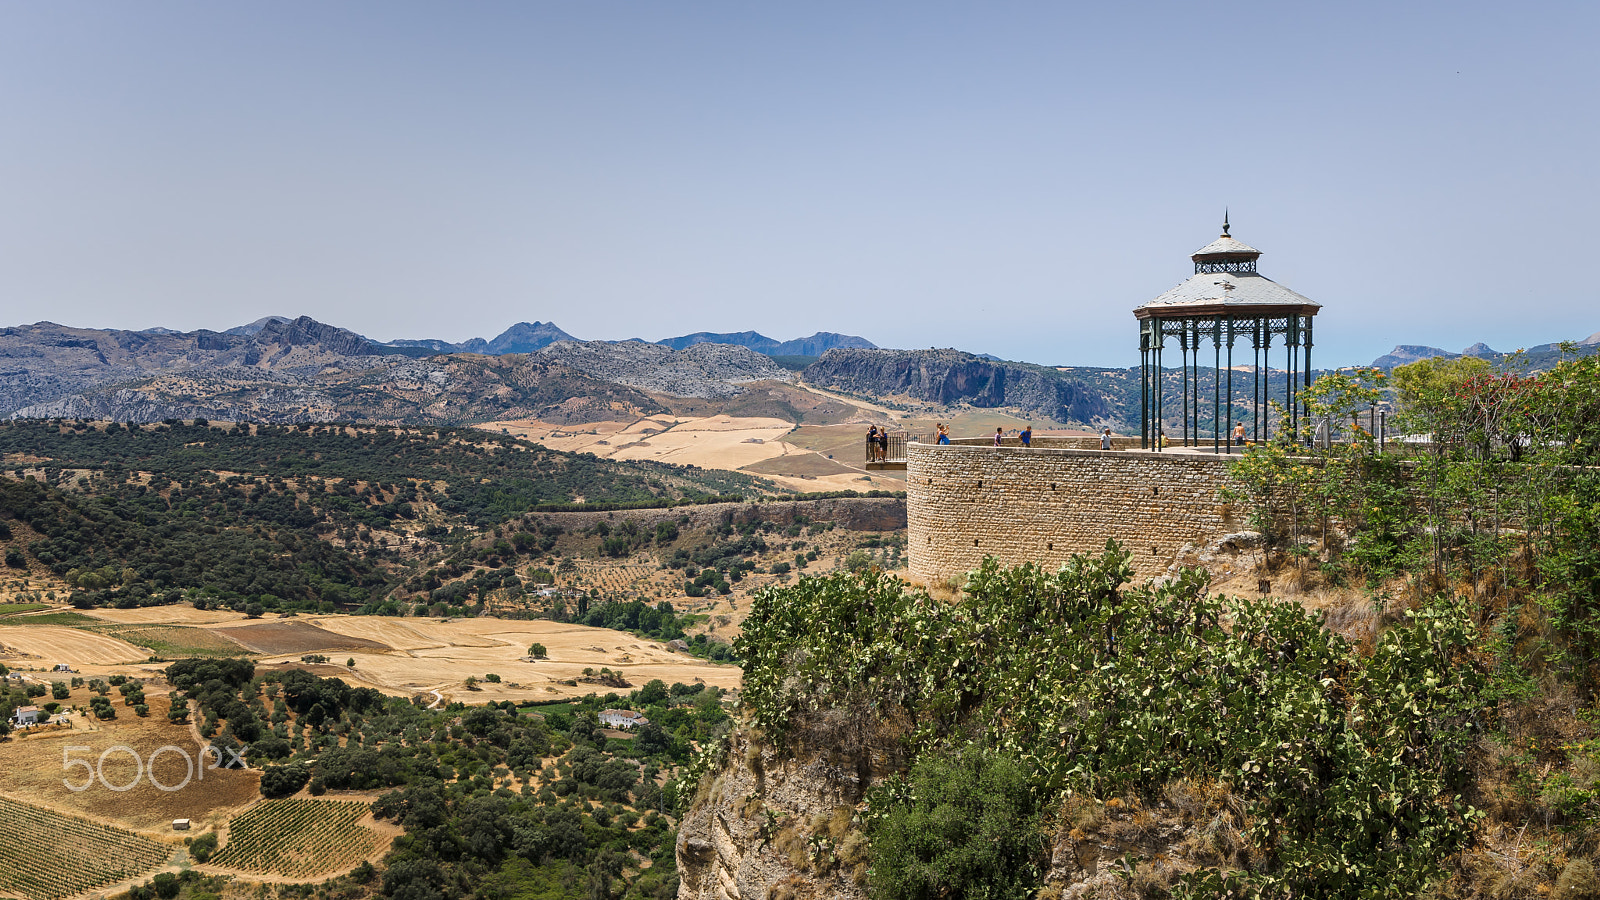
(63, 667)
(180, 824)
(27, 715)
(622, 718)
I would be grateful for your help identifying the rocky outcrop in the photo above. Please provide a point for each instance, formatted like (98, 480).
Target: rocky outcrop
(702, 370)
(771, 825)
(786, 823)
(306, 332)
(950, 377)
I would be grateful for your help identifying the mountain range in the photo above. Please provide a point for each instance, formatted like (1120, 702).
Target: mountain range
(300, 370)
(1540, 357)
(530, 337)
(295, 370)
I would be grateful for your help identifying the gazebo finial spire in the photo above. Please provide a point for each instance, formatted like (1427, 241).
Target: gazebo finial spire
(1225, 222)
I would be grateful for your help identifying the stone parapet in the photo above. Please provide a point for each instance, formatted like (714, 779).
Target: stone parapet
(850, 513)
(1044, 504)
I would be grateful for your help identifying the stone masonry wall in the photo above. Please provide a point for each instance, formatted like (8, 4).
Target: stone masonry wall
(851, 513)
(1042, 505)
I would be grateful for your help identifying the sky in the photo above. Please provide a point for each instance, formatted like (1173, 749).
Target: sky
(1005, 178)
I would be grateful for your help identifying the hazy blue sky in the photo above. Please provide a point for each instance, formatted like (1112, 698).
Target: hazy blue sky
(1010, 178)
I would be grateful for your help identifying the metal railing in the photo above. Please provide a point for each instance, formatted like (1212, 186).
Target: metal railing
(892, 450)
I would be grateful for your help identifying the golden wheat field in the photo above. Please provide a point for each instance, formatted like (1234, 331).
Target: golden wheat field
(30, 645)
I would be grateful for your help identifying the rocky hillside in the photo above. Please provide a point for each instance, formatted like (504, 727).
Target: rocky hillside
(302, 370)
(815, 345)
(444, 390)
(523, 337)
(46, 362)
(296, 370)
(951, 377)
(701, 370)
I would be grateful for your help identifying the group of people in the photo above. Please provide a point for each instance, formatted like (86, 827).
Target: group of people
(878, 439)
(877, 444)
(1025, 436)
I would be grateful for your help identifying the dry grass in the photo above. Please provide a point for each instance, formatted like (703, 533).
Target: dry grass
(34, 772)
(176, 614)
(33, 644)
(421, 655)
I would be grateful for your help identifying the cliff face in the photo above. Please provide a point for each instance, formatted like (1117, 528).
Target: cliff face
(950, 376)
(784, 824)
(772, 826)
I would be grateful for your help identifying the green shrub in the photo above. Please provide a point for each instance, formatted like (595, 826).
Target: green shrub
(962, 825)
(203, 846)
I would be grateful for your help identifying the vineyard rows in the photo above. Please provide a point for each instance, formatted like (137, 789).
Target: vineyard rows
(620, 578)
(298, 838)
(45, 855)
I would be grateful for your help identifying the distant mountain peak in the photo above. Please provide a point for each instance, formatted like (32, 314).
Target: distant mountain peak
(1410, 353)
(257, 325)
(527, 337)
(1480, 349)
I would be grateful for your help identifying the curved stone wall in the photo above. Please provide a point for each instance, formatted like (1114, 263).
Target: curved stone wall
(1042, 505)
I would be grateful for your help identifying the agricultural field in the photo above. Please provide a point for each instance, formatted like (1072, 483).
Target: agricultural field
(179, 614)
(11, 609)
(156, 760)
(57, 617)
(433, 655)
(172, 641)
(45, 855)
(33, 644)
(293, 637)
(298, 838)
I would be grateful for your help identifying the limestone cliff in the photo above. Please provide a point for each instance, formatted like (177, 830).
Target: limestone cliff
(768, 824)
(951, 377)
(776, 823)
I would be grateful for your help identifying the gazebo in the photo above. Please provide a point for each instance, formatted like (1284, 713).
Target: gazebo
(1226, 301)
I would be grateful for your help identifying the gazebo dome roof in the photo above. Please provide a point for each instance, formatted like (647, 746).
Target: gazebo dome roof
(1225, 282)
(1217, 291)
(1225, 247)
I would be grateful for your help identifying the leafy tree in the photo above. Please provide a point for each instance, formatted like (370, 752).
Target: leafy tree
(281, 781)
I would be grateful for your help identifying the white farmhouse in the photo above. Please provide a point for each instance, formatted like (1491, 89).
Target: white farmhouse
(27, 715)
(622, 718)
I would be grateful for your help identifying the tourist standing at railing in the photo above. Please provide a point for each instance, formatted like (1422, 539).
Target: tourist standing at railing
(883, 445)
(944, 434)
(997, 437)
(1027, 435)
(872, 444)
(1105, 440)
